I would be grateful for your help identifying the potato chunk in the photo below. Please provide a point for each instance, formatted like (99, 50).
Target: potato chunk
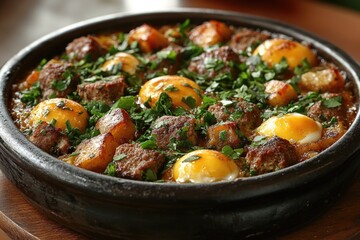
(127, 62)
(96, 153)
(149, 38)
(273, 50)
(119, 124)
(322, 80)
(210, 33)
(281, 93)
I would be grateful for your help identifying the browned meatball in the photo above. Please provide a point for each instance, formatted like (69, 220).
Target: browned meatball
(245, 38)
(245, 114)
(167, 61)
(57, 79)
(137, 160)
(84, 48)
(321, 113)
(275, 154)
(177, 130)
(50, 139)
(223, 134)
(107, 90)
(215, 62)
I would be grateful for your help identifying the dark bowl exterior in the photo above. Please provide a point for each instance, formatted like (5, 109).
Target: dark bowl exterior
(101, 206)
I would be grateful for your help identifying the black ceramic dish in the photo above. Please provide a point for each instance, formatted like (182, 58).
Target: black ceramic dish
(101, 206)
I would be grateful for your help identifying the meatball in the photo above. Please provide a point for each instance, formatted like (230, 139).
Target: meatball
(167, 61)
(179, 131)
(245, 114)
(275, 154)
(107, 90)
(321, 113)
(57, 79)
(87, 48)
(215, 62)
(223, 134)
(246, 38)
(136, 161)
(50, 139)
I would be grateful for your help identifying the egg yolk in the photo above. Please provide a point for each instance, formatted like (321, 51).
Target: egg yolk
(293, 127)
(272, 51)
(183, 92)
(127, 62)
(58, 111)
(204, 166)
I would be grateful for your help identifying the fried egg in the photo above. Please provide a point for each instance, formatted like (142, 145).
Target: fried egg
(58, 111)
(128, 63)
(273, 50)
(204, 166)
(183, 92)
(294, 127)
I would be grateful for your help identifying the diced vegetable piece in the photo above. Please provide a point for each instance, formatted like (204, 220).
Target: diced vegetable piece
(96, 153)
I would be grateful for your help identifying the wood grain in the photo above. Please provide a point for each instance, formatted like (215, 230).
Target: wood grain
(337, 25)
(12, 230)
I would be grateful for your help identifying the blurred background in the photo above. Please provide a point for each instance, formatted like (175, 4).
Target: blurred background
(23, 21)
(351, 4)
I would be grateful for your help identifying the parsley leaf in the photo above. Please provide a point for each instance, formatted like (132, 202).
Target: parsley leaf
(31, 96)
(119, 157)
(190, 101)
(96, 109)
(167, 54)
(191, 158)
(184, 27)
(330, 123)
(171, 88)
(332, 102)
(149, 175)
(232, 153)
(127, 103)
(149, 144)
(110, 169)
(258, 140)
(223, 135)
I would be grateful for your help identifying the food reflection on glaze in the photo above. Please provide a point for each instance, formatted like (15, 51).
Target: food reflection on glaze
(184, 103)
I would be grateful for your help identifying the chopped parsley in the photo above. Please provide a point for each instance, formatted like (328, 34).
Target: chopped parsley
(110, 169)
(32, 95)
(127, 103)
(149, 144)
(149, 175)
(232, 153)
(330, 123)
(119, 157)
(191, 158)
(171, 88)
(332, 102)
(190, 101)
(223, 135)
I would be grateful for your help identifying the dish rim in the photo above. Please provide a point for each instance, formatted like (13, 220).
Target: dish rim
(49, 168)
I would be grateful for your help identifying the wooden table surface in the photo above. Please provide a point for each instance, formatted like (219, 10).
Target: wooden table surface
(337, 25)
